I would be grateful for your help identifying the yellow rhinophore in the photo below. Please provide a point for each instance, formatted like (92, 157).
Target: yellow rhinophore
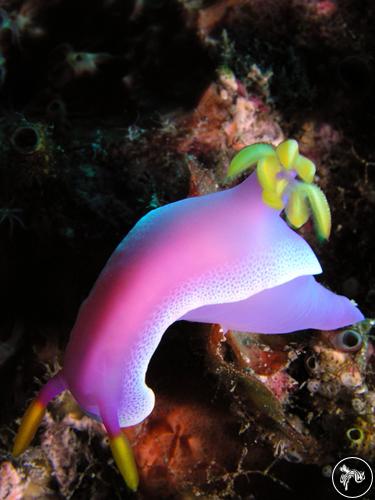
(124, 458)
(286, 178)
(29, 425)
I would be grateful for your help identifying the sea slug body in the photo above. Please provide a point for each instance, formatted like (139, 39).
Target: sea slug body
(226, 257)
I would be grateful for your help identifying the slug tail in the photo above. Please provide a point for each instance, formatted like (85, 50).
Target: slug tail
(35, 413)
(120, 447)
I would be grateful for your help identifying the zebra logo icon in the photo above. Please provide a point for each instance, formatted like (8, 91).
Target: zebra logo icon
(352, 477)
(347, 474)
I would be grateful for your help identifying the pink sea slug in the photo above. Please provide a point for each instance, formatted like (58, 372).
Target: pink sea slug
(227, 258)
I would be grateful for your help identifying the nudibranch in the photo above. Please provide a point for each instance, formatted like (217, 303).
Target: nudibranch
(226, 257)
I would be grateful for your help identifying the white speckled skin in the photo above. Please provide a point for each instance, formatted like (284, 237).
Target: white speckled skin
(214, 249)
(296, 305)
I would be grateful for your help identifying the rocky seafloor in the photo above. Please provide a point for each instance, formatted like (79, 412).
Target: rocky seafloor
(110, 108)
